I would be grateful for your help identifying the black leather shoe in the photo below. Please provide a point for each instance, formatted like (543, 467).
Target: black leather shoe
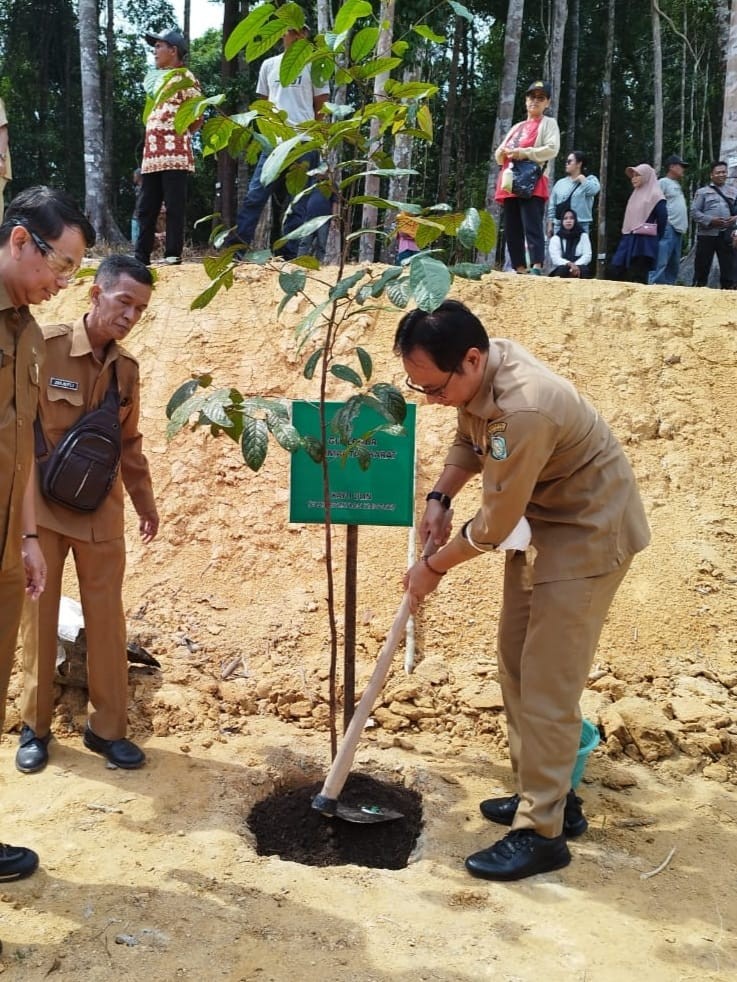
(503, 810)
(520, 853)
(122, 753)
(32, 754)
(16, 862)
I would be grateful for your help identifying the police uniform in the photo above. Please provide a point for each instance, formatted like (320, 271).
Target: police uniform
(72, 383)
(21, 355)
(544, 452)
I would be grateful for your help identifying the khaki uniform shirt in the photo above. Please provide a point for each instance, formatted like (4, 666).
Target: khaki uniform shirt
(545, 453)
(21, 355)
(72, 383)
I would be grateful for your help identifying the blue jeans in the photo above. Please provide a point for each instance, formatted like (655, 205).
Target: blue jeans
(669, 258)
(255, 202)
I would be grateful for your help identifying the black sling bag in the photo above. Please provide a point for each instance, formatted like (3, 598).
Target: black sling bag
(81, 469)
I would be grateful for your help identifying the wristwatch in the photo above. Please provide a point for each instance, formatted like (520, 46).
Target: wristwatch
(444, 499)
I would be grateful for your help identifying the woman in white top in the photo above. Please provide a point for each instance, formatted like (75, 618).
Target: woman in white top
(570, 249)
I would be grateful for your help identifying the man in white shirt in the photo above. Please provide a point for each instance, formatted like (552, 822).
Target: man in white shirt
(302, 100)
(669, 250)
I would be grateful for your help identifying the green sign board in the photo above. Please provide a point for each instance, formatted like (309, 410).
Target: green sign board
(381, 495)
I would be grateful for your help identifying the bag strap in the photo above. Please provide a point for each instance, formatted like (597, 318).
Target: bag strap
(731, 203)
(111, 403)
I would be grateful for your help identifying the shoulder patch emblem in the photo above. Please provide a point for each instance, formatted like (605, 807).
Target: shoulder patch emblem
(495, 426)
(63, 383)
(498, 448)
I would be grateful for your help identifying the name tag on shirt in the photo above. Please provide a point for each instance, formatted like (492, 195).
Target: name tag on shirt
(63, 383)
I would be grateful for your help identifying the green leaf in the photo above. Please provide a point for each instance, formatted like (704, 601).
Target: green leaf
(292, 15)
(247, 29)
(342, 422)
(278, 159)
(346, 374)
(362, 454)
(310, 226)
(312, 322)
(364, 43)
(185, 391)
(254, 442)
(392, 400)
(398, 293)
(269, 35)
(429, 281)
(343, 287)
(295, 58)
(486, 238)
(292, 282)
(213, 409)
(181, 415)
(409, 90)
(312, 363)
(469, 228)
(314, 448)
(461, 11)
(470, 271)
(424, 31)
(400, 48)
(377, 66)
(204, 298)
(366, 364)
(349, 13)
(389, 274)
(283, 432)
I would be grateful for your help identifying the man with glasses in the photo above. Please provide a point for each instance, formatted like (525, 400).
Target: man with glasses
(82, 361)
(576, 191)
(42, 243)
(544, 454)
(714, 209)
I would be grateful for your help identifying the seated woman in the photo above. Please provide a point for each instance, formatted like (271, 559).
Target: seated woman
(645, 219)
(570, 249)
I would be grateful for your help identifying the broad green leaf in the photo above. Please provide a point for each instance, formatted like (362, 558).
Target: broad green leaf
(392, 400)
(400, 48)
(377, 66)
(323, 68)
(292, 282)
(429, 281)
(343, 287)
(364, 43)
(314, 448)
(186, 391)
(254, 442)
(424, 121)
(269, 35)
(302, 231)
(349, 13)
(342, 422)
(335, 41)
(247, 29)
(346, 374)
(292, 15)
(283, 432)
(362, 454)
(313, 322)
(312, 363)
(424, 31)
(215, 134)
(338, 111)
(486, 238)
(306, 262)
(410, 90)
(398, 293)
(213, 408)
(389, 274)
(461, 11)
(295, 58)
(256, 404)
(366, 364)
(192, 109)
(204, 298)
(284, 154)
(470, 271)
(181, 415)
(469, 228)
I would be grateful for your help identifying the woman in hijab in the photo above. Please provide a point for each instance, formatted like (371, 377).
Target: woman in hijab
(645, 219)
(570, 249)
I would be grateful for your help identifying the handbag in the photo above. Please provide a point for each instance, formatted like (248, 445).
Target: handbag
(81, 469)
(647, 228)
(564, 206)
(525, 175)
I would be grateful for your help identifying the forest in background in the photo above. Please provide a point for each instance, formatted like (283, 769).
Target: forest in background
(667, 61)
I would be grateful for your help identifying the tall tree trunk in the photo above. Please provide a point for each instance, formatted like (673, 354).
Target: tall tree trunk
(187, 19)
(512, 39)
(728, 142)
(657, 86)
(108, 115)
(399, 186)
(451, 111)
(370, 216)
(554, 64)
(324, 16)
(575, 40)
(605, 127)
(226, 202)
(96, 205)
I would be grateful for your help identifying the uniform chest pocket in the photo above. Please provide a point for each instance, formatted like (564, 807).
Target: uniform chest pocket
(62, 409)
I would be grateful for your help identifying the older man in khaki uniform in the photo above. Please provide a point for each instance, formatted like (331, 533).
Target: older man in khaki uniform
(80, 360)
(42, 243)
(544, 455)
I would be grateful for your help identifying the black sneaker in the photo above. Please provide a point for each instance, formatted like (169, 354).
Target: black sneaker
(503, 810)
(520, 853)
(16, 862)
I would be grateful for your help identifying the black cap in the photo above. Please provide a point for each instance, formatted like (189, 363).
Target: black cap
(174, 38)
(538, 86)
(675, 159)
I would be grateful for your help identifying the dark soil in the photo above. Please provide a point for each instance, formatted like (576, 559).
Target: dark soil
(286, 825)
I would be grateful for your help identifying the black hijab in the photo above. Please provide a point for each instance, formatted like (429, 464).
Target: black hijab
(569, 237)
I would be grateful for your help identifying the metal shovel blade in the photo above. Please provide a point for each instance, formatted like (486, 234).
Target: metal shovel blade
(360, 815)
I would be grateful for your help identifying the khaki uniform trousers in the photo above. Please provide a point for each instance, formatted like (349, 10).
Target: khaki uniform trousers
(12, 586)
(548, 633)
(100, 568)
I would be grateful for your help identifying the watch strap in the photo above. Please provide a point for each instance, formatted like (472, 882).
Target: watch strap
(444, 499)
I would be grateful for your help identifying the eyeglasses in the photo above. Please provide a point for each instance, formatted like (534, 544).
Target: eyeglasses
(62, 267)
(434, 391)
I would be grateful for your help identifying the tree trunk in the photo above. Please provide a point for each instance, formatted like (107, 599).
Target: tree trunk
(605, 126)
(728, 143)
(451, 111)
(96, 202)
(370, 215)
(324, 16)
(226, 202)
(187, 20)
(554, 62)
(657, 87)
(399, 186)
(512, 39)
(575, 39)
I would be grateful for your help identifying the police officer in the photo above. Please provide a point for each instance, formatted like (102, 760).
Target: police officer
(544, 454)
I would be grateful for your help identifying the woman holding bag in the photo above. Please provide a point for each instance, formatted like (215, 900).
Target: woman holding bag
(523, 194)
(645, 218)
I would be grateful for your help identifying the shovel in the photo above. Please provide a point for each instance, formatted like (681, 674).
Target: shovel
(326, 802)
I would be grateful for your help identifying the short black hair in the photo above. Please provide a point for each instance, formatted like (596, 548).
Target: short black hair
(47, 211)
(446, 334)
(718, 163)
(113, 267)
(581, 159)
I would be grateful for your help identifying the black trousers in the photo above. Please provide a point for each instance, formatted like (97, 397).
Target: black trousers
(169, 187)
(706, 246)
(523, 220)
